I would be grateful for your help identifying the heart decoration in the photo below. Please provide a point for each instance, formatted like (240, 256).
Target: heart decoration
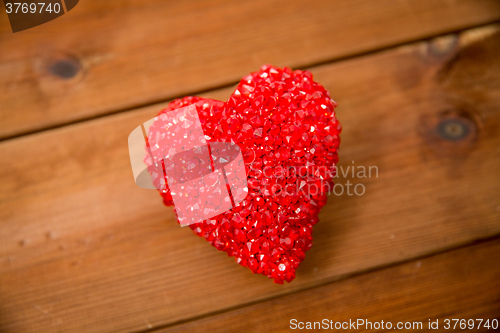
(285, 124)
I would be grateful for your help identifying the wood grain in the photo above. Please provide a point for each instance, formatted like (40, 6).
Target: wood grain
(83, 249)
(105, 56)
(461, 284)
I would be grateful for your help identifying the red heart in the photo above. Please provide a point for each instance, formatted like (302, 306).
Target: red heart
(285, 124)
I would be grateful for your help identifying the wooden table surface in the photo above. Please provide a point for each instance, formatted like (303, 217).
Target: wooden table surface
(83, 249)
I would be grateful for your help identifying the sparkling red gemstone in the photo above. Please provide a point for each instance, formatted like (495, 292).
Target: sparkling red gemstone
(286, 126)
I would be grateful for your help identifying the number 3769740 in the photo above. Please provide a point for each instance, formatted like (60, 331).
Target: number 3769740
(470, 324)
(26, 8)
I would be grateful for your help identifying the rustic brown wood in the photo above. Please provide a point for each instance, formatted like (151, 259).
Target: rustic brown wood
(461, 284)
(105, 56)
(83, 249)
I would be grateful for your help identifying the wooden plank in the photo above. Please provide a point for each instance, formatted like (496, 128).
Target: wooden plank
(83, 249)
(461, 284)
(105, 56)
